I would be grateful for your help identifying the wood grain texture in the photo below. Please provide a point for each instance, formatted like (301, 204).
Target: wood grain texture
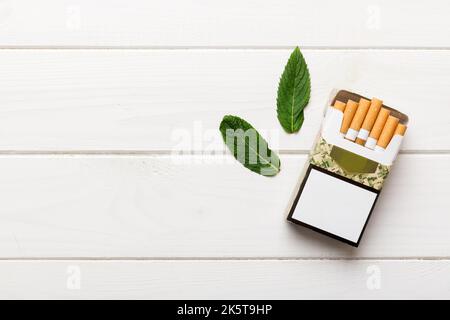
(147, 100)
(158, 206)
(325, 279)
(175, 23)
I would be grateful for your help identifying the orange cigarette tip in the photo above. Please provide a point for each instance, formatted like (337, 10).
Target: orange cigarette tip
(388, 131)
(364, 102)
(372, 113)
(379, 123)
(376, 102)
(349, 112)
(339, 105)
(360, 114)
(400, 130)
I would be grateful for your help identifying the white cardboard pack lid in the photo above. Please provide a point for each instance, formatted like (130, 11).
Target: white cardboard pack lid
(343, 212)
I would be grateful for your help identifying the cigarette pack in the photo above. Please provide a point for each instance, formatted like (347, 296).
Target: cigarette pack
(342, 179)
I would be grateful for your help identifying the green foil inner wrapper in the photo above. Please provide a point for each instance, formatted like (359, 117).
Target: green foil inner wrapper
(349, 165)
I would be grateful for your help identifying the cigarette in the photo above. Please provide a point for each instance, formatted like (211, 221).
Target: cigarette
(339, 105)
(400, 130)
(369, 121)
(387, 133)
(358, 119)
(349, 112)
(377, 128)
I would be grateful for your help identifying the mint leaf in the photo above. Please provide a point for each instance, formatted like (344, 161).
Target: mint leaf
(294, 91)
(248, 147)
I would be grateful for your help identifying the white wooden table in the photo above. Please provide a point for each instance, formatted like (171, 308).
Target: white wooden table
(96, 95)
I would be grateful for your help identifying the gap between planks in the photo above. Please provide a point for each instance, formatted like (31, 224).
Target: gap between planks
(169, 153)
(324, 48)
(225, 259)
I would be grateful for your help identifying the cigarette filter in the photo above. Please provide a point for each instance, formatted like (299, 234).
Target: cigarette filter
(369, 121)
(339, 105)
(358, 119)
(377, 128)
(349, 113)
(400, 130)
(387, 133)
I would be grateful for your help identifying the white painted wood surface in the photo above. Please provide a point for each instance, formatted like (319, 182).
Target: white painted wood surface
(240, 279)
(144, 100)
(95, 97)
(195, 206)
(204, 23)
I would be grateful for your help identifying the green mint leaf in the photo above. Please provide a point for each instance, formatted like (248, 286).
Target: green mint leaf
(248, 147)
(294, 91)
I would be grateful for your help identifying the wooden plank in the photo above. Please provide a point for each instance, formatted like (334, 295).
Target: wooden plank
(56, 23)
(346, 279)
(140, 100)
(157, 206)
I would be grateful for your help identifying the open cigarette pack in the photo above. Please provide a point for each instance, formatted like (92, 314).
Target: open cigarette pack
(353, 155)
